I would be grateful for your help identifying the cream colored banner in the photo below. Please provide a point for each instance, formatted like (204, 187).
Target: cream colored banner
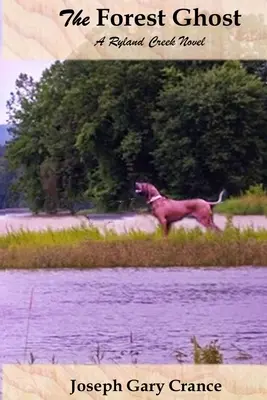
(55, 382)
(140, 29)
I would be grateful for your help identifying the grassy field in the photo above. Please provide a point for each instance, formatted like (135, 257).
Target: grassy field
(245, 205)
(252, 202)
(87, 247)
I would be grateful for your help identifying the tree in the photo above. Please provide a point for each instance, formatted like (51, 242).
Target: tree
(24, 151)
(44, 138)
(118, 132)
(211, 131)
(87, 130)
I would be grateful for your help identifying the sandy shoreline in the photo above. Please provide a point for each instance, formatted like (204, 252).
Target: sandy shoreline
(120, 224)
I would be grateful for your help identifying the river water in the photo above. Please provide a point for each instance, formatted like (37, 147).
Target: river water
(132, 314)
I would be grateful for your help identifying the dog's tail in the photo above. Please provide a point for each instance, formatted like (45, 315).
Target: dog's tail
(220, 199)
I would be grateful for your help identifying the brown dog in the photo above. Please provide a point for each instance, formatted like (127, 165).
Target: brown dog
(168, 211)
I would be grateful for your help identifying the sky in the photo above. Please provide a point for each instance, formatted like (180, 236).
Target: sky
(9, 72)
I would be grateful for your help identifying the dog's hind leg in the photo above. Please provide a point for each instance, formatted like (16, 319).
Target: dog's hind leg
(213, 225)
(207, 222)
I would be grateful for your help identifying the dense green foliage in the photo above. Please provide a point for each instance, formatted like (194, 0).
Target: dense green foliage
(87, 130)
(9, 197)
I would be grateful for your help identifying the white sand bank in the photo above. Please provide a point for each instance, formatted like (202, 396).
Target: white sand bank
(120, 224)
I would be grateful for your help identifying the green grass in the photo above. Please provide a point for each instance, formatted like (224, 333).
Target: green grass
(252, 202)
(245, 205)
(88, 247)
(84, 234)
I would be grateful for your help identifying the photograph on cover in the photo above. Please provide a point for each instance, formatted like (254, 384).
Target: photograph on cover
(129, 190)
(133, 192)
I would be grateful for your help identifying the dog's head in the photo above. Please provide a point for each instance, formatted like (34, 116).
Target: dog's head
(139, 188)
(146, 189)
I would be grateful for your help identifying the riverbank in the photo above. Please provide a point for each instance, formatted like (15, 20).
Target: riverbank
(96, 244)
(119, 223)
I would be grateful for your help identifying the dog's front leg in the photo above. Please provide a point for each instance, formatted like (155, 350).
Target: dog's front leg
(165, 226)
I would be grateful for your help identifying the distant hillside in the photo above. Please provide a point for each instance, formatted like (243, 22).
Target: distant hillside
(4, 136)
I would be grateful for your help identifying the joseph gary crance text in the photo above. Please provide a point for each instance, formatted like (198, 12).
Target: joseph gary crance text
(135, 385)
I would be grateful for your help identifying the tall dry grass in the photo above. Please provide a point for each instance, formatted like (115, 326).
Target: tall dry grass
(90, 248)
